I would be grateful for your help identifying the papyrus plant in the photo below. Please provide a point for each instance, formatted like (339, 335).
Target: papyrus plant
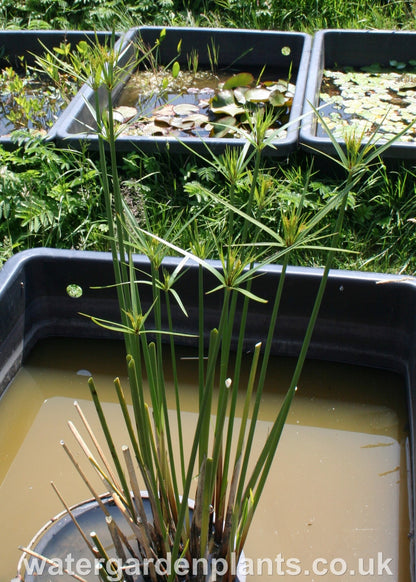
(229, 481)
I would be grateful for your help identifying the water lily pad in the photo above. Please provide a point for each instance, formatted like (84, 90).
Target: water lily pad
(203, 104)
(124, 113)
(277, 98)
(185, 109)
(223, 127)
(372, 100)
(165, 111)
(275, 133)
(162, 121)
(258, 95)
(238, 80)
(397, 64)
(207, 96)
(374, 68)
(152, 129)
(281, 86)
(240, 95)
(224, 103)
(222, 98)
(231, 110)
(189, 122)
(409, 83)
(184, 123)
(291, 88)
(199, 119)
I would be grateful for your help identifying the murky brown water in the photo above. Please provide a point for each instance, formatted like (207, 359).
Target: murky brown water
(338, 489)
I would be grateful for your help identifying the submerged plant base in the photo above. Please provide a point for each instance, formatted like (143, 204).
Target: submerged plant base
(368, 100)
(201, 104)
(60, 534)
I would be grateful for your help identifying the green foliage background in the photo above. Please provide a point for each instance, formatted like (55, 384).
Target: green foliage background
(50, 197)
(279, 14)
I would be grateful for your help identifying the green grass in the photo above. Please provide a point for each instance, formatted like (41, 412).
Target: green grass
(306, 15)
(52, 198)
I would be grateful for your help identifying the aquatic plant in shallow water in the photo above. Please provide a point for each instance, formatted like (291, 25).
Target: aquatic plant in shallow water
(32, 97)
(200, 103)
(229, 481)
(26, 102)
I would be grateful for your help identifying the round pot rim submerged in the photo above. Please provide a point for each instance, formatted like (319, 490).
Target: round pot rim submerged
(47, 532)
(59, 520)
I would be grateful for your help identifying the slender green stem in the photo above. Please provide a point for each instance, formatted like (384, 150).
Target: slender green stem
(263, 373)
(206, 502)
(111, 445)
(204, 411)
(136, 389)
(321, 290)
(160, 410)
(201, 334)
(206, 399)
(266, 457)
(127, 421)
(242, 329)
(177, 395)
(256, 170)
(247, 400)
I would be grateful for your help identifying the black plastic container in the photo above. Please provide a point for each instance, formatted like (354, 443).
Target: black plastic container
(19, 47)
(351, 48)
(249, 49)
(366, 319)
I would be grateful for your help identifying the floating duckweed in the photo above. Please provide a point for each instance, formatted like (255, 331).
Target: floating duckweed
(371, 99)
(73, 290)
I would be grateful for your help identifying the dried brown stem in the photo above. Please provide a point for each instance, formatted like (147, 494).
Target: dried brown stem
(95, 441)
(50, 562)
(74, 520)
(97, 497)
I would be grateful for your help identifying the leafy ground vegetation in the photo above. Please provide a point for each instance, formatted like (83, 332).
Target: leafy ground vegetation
(278, 14)
(51, 197)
